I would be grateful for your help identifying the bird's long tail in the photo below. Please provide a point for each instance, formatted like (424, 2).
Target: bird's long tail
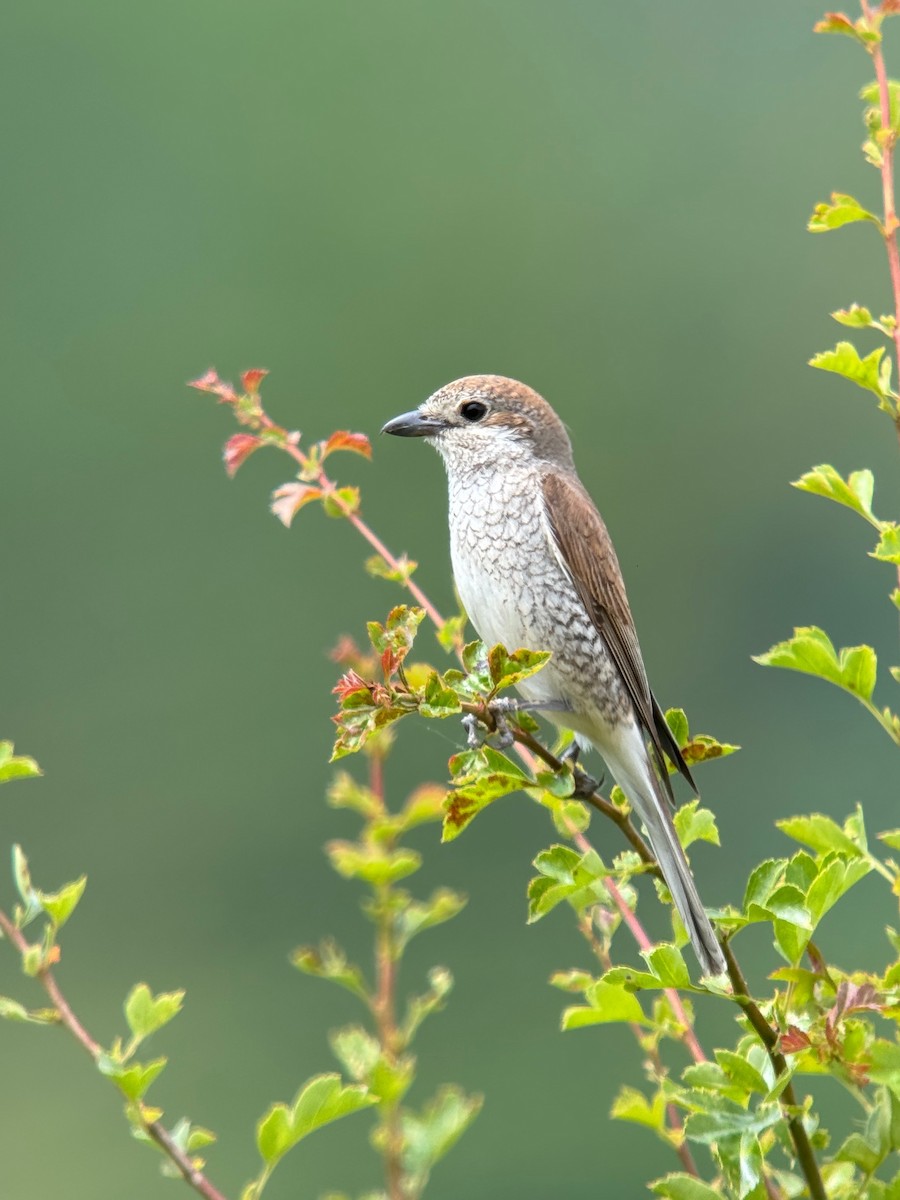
(649, 799)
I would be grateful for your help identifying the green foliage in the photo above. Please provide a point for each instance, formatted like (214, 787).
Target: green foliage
(14, 766)
(853, 668)
(872, 373)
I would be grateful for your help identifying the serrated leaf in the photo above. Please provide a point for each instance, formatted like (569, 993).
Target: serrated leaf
(507, 669)
(606, 1003)
(288, 499)
(60, 905)
(134, 1080)
(840, 210)
(855, 492)
(667, 964)
(443, 905)
(632, 1105)
(374, 864)
(860, 30)
(869, 372)
(342, 439)
(482, 776)
(330, 962)
(14, 766)
(728, 1120)
(12, 1010)
(146, 1013)
(888, 548)
(320, 1101)
(695, 824)
(857, 316)
(398, 572)
(811, 651)
(438, 700)
(427, 1136)
(684, 1187)
(820, 833)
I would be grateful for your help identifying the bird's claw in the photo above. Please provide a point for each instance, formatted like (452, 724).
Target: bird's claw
(499, 709)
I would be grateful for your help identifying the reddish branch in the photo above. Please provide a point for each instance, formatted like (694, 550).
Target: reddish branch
(191, 1175)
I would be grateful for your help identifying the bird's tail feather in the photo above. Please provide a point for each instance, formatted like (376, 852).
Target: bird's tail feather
(646, 793)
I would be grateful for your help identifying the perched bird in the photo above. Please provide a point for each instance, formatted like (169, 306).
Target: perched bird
(535, 568)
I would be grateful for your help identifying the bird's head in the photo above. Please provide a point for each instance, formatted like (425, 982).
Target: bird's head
(486, 420)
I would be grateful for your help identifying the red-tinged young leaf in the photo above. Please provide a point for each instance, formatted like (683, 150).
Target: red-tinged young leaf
(840, 23)
(794, 1041)
(341, 439)
(210, 382)
(851, 997)
(250, 380)
(349, 685)
(237, 450)
(288, 499)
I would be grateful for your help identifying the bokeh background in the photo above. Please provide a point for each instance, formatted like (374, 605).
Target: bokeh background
(607, 201)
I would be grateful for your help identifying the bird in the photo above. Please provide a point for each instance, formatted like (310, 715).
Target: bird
(535, 568)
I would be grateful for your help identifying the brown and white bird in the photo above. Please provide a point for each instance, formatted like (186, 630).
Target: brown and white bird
(535, 568)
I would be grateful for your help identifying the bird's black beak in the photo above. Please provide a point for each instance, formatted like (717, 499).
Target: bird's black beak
(413, 424)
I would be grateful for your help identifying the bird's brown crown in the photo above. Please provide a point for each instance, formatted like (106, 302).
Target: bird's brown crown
(509, 406)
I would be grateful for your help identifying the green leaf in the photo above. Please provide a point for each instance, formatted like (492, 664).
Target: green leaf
(860, 30)
(842, 210)
(356, 1050)
(684, 1187)
(320, 1101)
(869, 372)
(857, 316)
(12, 1010)
(811, 651)
(565, 875)
(345, 792)
(428, 1136)
(443, 905)
(423, 805)
(438, 700)
(856, 492)
(60, 905)
(667, 964)
(134, 1080)
(888, 548)
(890, 837)
(507, 669)
(381, 569)
(450, 633)
(16, 767)
(481, 777)
(728, 1119)
(632, 1105)
(330, 962)
(606, 1003)
(398, 632)
(372, 863)
(418, 1008)
(871, 94)
(146, 1013)
(763, 881)
(273, 1133)
(821, 834)
(884, 1064)
(695, 824)
(741, 1071)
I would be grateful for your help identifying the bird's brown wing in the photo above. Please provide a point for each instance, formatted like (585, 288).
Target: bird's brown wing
(587, 553)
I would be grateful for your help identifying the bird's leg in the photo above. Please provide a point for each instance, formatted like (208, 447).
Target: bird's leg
(501, 708)
(585, 785)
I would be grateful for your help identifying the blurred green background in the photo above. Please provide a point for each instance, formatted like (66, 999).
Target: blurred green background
(371, 199)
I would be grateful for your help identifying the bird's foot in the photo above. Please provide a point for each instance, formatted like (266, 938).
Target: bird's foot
(585, 785)
(494, 724)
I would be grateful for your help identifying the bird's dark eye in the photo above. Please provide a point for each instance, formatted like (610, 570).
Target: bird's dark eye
(472, 410)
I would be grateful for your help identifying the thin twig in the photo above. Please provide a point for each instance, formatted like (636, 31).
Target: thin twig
(769, 1038)
(384, 1008)
(676, 1125)
(189, 1172)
